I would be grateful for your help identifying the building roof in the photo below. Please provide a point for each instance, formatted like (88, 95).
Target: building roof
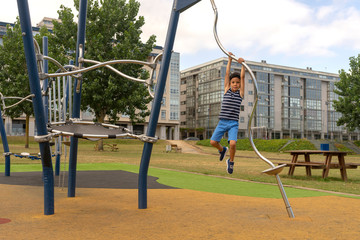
(266, 66)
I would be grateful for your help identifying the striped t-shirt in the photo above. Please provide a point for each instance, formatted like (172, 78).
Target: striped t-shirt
(230, 107)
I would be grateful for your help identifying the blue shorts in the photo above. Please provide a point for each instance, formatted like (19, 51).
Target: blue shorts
(225, 125)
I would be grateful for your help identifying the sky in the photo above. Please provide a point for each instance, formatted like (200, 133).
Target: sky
(321, 34)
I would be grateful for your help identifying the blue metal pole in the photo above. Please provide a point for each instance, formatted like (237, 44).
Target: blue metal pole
(40, 118)
(77, 98)
(45, 99)
(5, 146)
(46, 81)
(57, 158)
(178, 7)
(68, 93)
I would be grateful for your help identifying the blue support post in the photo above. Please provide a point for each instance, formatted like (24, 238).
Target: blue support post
(46, 81)
(178, 7)
(77, 98)
(68, 93)
(45, 99)
(40, 119)
(57, 159)
(5, 146)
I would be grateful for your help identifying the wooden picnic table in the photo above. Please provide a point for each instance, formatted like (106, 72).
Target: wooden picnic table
(326, 165)
(176, 148)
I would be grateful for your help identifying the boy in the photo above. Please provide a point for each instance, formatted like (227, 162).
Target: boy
(234, 85)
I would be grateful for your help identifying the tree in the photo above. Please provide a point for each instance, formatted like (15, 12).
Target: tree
(63, 40)
(121, 41)
(113, 31)
(348, 89)
(14, 79)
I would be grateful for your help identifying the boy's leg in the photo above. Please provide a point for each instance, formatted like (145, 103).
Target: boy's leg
(232, 150)
(230, 161)
(232, 142)
(233, 131)
(216, 137)
(217, 145)
(222, 150)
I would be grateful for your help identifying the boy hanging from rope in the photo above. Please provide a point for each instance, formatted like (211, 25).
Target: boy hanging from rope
(234, 85)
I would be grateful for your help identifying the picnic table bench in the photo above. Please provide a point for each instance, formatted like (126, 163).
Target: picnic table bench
(176, 148)
(112, 146)
(326, 165)
(172, 147)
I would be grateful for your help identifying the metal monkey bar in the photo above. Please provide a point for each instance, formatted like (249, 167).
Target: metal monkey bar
(76, 71)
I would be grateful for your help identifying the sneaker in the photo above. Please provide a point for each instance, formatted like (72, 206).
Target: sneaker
(223, 153)
(230, 166)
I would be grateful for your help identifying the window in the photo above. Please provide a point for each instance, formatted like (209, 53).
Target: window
(18, 127)
(163, 114)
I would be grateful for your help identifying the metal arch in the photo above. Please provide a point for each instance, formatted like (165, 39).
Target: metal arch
(97, 65)
(273, 170)
(105, 64)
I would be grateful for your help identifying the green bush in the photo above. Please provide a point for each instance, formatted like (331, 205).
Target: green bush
(342, 148)
(357, 143)
(299, 144)
(244, 144)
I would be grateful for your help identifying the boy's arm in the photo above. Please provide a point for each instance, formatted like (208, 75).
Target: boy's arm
(227, 75)
(242, 78)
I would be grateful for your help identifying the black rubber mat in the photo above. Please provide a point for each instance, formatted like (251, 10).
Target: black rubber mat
(86, 179)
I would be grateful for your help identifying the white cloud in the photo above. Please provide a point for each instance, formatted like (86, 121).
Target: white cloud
(257, 29)
(156, 14)
(277, 27)
(325, 12)
(38, 10)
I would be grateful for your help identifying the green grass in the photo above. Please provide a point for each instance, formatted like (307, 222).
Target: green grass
(194, 181)
(247, 165)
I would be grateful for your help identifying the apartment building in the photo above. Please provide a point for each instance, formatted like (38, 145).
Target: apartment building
(293, 102)
(47, 22)
(3, 26)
